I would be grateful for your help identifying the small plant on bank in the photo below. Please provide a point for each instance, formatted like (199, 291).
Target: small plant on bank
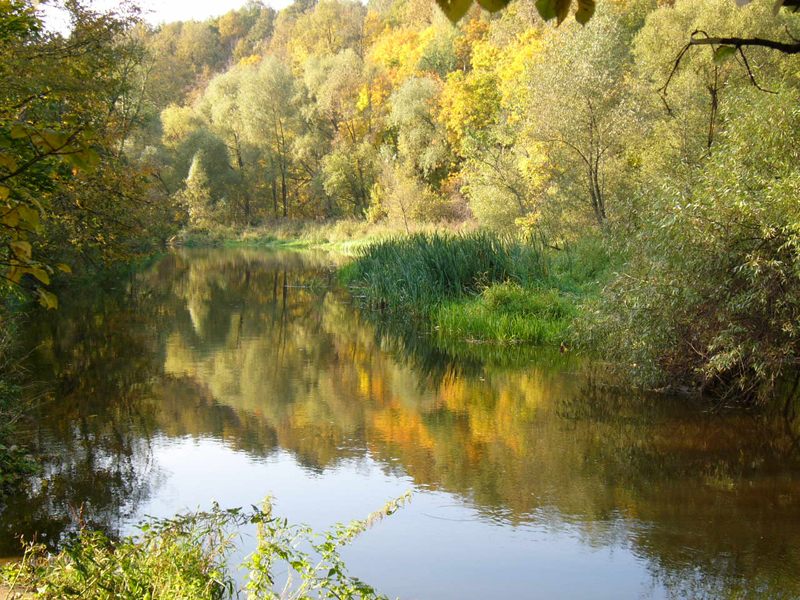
(315, 572)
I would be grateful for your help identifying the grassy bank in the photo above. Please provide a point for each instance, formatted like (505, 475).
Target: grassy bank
(480, 286)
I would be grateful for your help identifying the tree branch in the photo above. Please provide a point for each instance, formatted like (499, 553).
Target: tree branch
(738, 43)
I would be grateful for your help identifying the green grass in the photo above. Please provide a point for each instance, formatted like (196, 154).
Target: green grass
(506, 312)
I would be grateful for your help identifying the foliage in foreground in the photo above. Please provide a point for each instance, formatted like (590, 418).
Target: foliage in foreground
(185, 558)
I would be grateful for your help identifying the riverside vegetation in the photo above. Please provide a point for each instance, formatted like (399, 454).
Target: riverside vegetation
(186, 558)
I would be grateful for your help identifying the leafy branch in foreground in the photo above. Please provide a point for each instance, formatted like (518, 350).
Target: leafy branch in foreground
(185, 558)
(322, 572)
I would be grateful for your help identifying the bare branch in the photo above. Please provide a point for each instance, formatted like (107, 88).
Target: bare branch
(738, 43)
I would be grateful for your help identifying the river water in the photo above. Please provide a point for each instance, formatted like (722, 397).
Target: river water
(228, 375)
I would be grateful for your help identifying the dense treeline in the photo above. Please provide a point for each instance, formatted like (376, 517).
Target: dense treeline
(118, 134)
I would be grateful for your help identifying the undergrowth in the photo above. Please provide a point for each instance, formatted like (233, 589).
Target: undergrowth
(15, 462)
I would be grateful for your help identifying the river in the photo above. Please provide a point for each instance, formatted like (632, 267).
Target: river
(231, 374)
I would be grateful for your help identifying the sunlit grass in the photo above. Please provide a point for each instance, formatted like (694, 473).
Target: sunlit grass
(507, 312)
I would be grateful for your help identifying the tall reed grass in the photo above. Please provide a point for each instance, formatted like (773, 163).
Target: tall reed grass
(418, 272)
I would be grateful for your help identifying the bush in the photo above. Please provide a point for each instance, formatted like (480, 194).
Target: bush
(185, 558)
(710, 296)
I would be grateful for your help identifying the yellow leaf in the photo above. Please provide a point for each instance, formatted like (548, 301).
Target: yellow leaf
(21, 249)
(10, 218)
(18, 131)
(47, 299)
(14, 275)
(8, 162)
(4, 193)
(63, 267)
(40, 274)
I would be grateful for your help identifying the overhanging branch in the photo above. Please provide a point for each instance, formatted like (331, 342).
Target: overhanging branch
(739, 43)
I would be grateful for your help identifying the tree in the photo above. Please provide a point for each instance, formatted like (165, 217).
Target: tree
(270, 120)
(66, 190)
(584, 114)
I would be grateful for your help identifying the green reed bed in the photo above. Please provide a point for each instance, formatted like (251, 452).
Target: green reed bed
(415, 273)
(482, 286)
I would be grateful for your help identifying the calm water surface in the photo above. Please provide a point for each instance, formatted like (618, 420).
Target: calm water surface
(227, 375)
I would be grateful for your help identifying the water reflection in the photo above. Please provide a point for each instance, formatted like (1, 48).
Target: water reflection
(261, 352)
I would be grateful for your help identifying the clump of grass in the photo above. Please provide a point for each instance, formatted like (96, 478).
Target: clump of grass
(507, 312)
(418, 272)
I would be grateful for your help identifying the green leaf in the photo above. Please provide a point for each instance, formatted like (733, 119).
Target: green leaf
(553, 9)
(92, 157)
(493, 5)
(546, 8)
(454, 9)
(54, 139)
(585, 11)
(723, 53)
(29, 215)
(562, 9)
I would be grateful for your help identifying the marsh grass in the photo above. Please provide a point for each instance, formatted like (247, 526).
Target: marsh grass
(481, 286)
(417, 272)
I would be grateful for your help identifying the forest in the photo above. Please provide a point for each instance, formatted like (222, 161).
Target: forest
(620, 182)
